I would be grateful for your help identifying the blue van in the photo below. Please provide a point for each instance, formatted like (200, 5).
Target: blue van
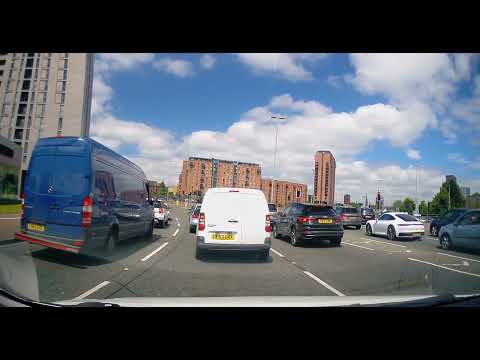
(81, 196)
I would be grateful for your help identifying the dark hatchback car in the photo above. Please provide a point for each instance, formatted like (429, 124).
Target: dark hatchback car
(307, 222)
(448, 218)
(367, 214)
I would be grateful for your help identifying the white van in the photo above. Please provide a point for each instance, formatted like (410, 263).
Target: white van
(234, 219)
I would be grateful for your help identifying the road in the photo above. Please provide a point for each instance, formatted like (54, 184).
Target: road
(167, 267)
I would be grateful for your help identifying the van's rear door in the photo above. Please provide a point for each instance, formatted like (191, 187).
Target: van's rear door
(58, 181)
(222, 218)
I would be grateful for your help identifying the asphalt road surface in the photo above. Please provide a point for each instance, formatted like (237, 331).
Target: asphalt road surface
(167, 266)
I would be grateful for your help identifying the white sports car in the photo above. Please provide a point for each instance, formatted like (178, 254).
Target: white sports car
(396, 225)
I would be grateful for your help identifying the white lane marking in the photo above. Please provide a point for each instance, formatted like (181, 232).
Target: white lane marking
(15, 218)
(332, 289)
(176, 232)
(363, 247)
(464, 263)
(383, 242)
(154, 252)
(458, 257)
(276, 252)
(176, 219)
(444, 267)
(92, 290)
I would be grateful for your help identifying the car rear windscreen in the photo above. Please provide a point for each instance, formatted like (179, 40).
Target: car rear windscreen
(319, 211)
(272, 207)
(197, 211)
(350, 211)
(406, 217)
(367, 211)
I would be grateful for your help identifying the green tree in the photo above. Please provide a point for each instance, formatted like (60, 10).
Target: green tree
(397, 204)
(408, 205)
(448, 198)
(163, 189)
(423, 207)
(439, 204)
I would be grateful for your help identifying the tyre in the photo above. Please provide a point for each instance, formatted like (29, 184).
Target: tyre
(264, 254)
(391, 233)
(199, 253)
(446, 242)
(434, 231)
(149, 233)
(336, 242)
(368, 230)
(294, 240)
(111, 242)
(162, 224)
(276, 234)
(358, 227)
(192, 229)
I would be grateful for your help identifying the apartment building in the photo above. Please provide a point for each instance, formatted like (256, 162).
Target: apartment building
(324, 178)
(282, 193)
(200, 174)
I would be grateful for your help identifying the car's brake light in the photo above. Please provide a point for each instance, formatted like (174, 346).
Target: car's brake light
(201, 222)
(194, 216)
(338, 220)
(268, 223)
(305, 219)
(87, 212)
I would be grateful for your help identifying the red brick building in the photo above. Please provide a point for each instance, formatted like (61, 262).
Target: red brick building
(282, 193)
(324, 178)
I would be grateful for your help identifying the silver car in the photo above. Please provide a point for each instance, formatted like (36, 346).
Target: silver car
(463, 233)
(350, 216)
(194, 218)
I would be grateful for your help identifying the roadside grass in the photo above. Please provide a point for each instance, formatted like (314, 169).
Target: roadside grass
(11, 209)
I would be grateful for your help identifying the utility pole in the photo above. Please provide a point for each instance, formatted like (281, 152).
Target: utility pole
(275, 155)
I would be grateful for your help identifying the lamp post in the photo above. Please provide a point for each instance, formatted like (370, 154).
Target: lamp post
(275, 154)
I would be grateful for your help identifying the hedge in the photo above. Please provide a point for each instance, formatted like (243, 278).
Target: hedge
(7, 201)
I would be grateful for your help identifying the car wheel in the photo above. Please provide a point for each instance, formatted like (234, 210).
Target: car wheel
(111, 242)
(264, 254)
(358, 227)
(199, 253)
(336, 242)
(368, 230)
(162, 224)
(276, 234)
(434, 231)
(294, 240)
(445, 242)
(149, 233)
(391, 233)
(192, 229)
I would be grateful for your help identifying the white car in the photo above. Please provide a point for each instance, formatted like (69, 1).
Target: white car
(396, 225)
(161, 214)
(234, 219)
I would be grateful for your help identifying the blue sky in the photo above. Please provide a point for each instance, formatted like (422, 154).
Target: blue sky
(371, 110)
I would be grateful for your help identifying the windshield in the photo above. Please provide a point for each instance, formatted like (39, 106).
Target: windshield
(231, 175)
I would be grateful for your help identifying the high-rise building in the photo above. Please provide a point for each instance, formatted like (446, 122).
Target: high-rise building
(44, 95)
(282, 193)
(465, 191)
(200, 174)
(451, 177)
(324, 178)
(310, 199)
(346, 199)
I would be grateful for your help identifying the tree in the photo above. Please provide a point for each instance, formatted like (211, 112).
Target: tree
(397, 204)
(448, 198)
(163, 189)
(439, 204)
(423, 207)
(408, 205)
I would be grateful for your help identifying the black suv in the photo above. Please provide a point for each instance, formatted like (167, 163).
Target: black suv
(302, 222)
(446, 219)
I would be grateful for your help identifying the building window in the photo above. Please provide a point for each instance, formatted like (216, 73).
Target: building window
(2, 62)
(60, 123)
(24, 96)
(40, 110)
(30, 111)
(30, 118)
(38, 62)
(24, 159)
(25, 146)
(5, 109)
(29, 63)
(61, 109)
(20, 121)
(61, 85)
(1, 72)
(30, 55)
(42, 97)
(27, 74)
(22, 109)
(43, 85)
(18, 134)
(44, 74)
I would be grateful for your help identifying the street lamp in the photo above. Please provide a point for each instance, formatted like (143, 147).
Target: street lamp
(275, 153)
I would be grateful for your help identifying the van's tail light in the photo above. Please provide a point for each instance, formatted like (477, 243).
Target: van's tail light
(201, 222)
(343, 217)
(268, 223)
(194, 216)
(87, 211)
(305, 219)
(23, 205)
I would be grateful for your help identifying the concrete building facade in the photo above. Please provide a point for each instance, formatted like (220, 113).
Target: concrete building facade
(200, 174)
(44, 95)
(324, 178)
(346, 199)
(282, 193)
(465, 191)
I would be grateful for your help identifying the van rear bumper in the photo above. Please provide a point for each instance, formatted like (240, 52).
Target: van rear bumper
(73, 246)
(233, 247)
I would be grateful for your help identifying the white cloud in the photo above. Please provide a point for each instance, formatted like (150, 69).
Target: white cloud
(288, 66)
(177, 67)
(120, 62)
(468, 110)
(458, 158)
(207, 61)
(335, 80)
(413, 154)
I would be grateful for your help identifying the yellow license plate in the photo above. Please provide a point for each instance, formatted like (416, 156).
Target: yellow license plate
(217, 236)
(325, 221)
(35, 227)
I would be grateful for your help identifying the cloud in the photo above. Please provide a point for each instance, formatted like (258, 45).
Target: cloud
(177, 67)
(468, 109)
(289, 66)
(458, 158)
(207, 61)
(121, 62)
(335, 80)
(413, 154)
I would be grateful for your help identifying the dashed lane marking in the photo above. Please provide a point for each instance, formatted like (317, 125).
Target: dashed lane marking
(332, 289)
(92, 290)
(276, 252)
(444, 267)
(360, 246)
(458, 257)
(175, 233)
(383, 242)
(154, 252)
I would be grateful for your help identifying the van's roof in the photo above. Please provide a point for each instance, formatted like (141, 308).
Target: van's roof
(240, 190)
(75, 140)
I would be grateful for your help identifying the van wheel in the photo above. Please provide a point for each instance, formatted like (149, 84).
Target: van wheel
(336, 242)
(264, 254)
(199, 253)
(111, 241)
